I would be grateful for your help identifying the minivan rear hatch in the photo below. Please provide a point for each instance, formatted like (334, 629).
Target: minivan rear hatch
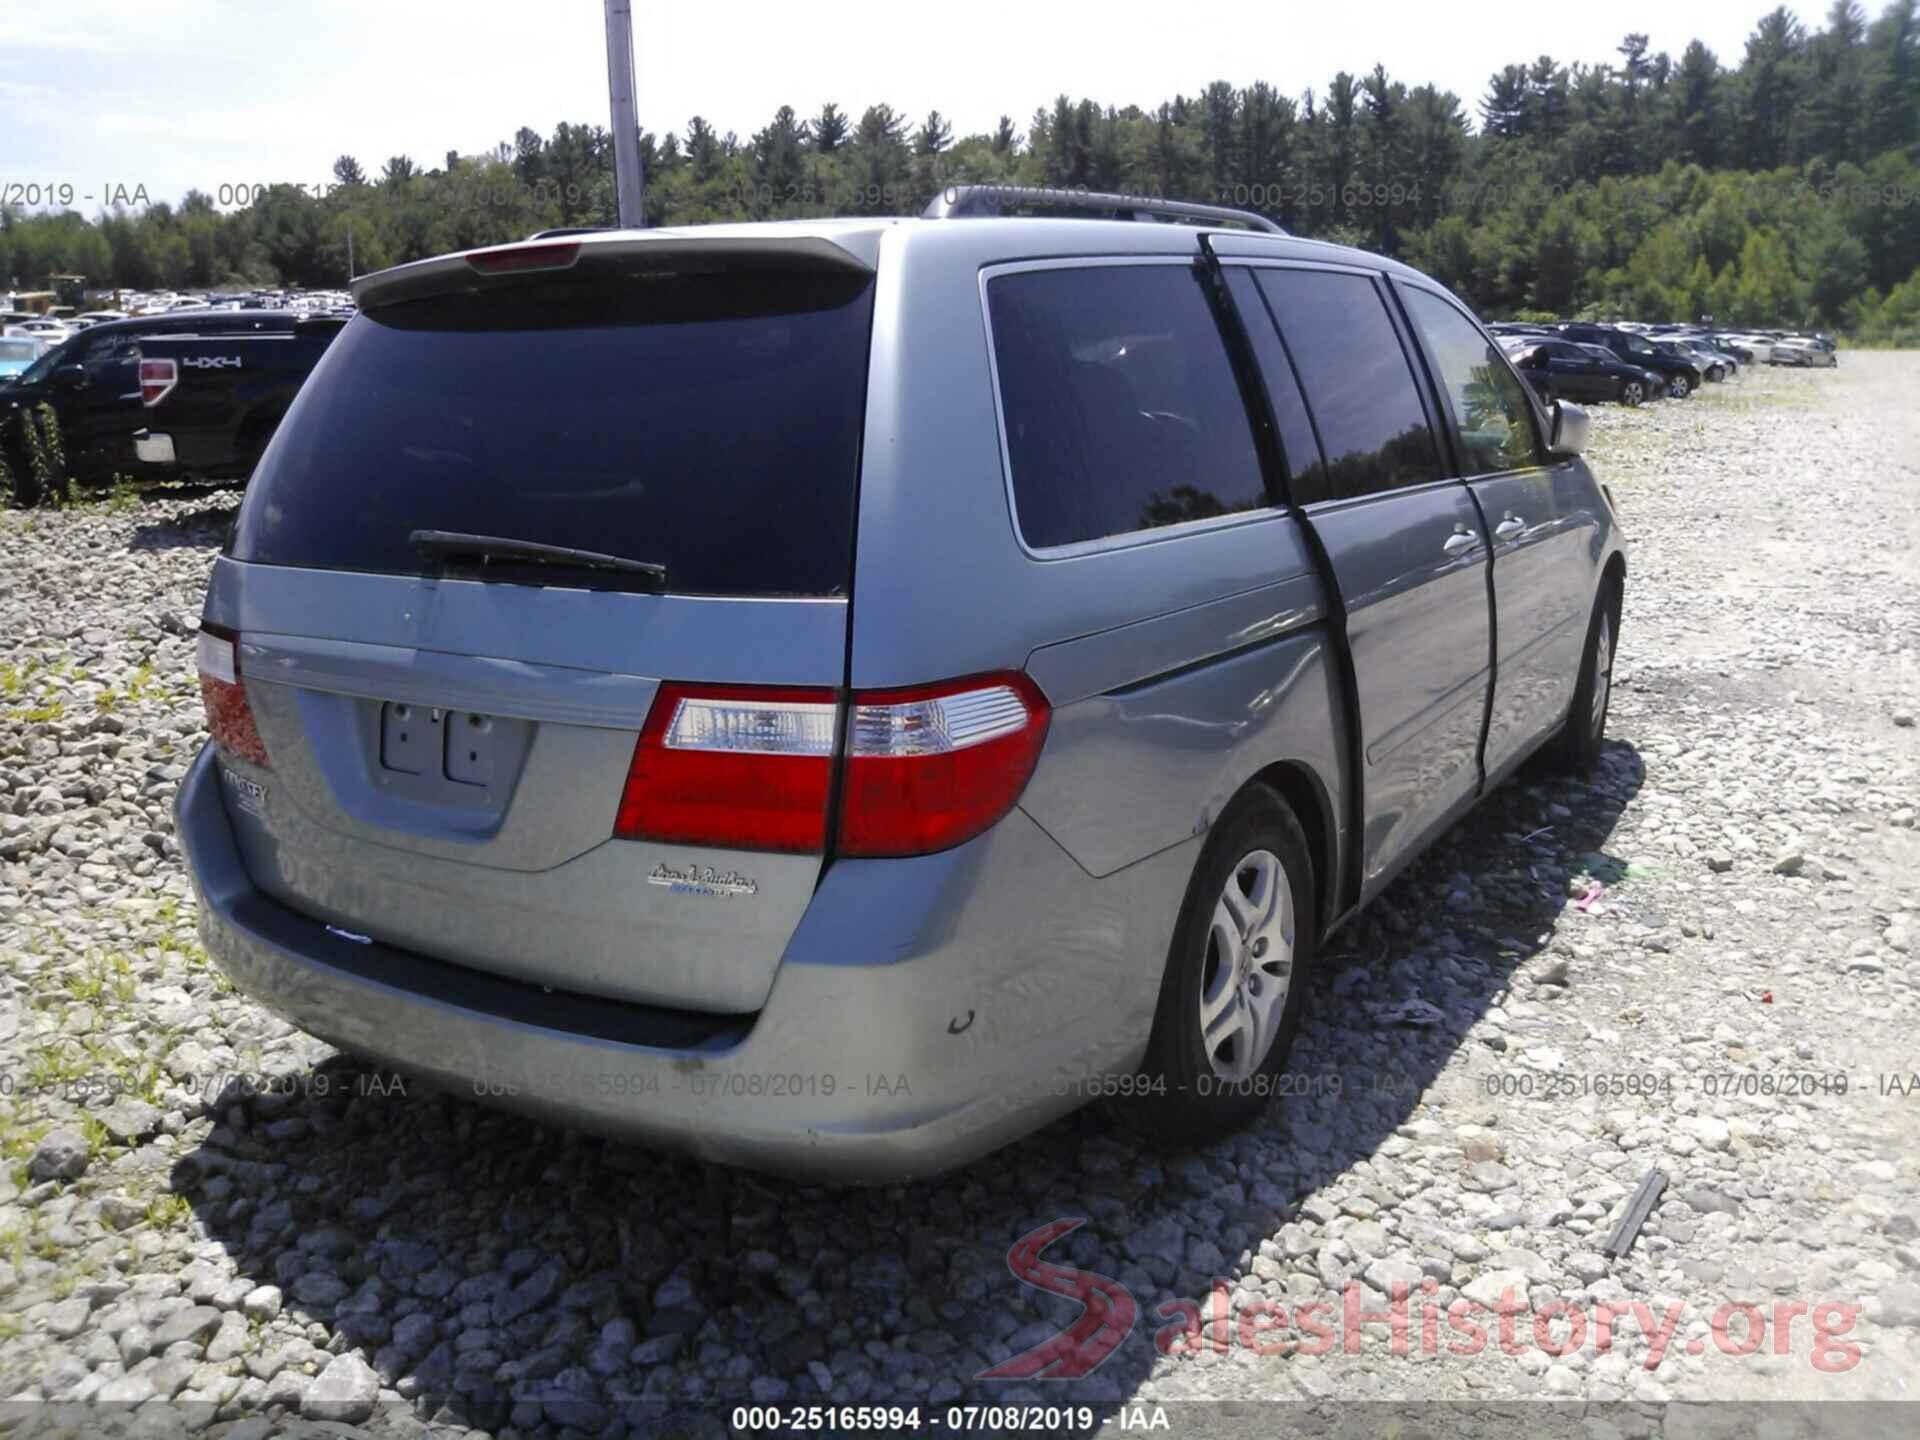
(512, 502)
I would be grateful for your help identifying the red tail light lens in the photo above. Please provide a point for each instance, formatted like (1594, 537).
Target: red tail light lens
(931, 766)
(157, 379)
(740, 767)
(224, 694)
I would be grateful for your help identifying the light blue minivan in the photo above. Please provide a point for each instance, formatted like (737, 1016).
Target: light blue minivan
(833, 696)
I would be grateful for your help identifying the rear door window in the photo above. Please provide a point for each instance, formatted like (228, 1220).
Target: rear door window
(1373, 428)
(1121, 408)
(706, 421)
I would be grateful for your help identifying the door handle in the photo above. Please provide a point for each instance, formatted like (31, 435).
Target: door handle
(1459, 542)
(1509, 527)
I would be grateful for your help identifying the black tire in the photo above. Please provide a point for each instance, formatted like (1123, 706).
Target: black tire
(1632, 392)
(1576, 749)
(25, 487)
(1679, 387)
(1186, 1101)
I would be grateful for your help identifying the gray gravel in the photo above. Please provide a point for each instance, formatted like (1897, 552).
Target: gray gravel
(1726, 913)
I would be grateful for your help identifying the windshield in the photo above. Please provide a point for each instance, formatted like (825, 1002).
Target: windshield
(45, 365)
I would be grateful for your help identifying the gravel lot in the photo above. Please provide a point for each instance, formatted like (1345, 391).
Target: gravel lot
(1676, 965)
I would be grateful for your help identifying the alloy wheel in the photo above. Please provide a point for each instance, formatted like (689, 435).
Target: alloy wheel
(1249, 966)
(1602, 675)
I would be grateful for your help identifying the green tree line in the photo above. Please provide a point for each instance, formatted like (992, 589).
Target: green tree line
(1781, 189)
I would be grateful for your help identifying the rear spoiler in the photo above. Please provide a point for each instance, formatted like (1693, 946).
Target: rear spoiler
(475, 271)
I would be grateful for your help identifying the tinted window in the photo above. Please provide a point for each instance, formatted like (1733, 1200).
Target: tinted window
(59, 355)
(1122, 411)
(1306, 476)
(709, 422)
(1491, 412)
(116, 345)
(1371, 423)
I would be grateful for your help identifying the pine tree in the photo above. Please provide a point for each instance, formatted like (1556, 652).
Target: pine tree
(1698, 108)
(933, 136)
(827, 131)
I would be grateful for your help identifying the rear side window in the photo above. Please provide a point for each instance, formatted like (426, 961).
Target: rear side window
(1372, 426)
(1122, 410)
(1491, 412)
(1306, 476)
(709, 422)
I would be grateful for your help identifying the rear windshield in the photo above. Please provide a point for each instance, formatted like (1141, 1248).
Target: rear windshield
(708, 422)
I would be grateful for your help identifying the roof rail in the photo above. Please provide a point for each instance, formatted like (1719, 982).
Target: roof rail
(559, 230)
(960, 201)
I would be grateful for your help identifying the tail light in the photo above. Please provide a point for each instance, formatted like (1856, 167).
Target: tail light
(224, 694)
(746, 768)
(934, 765)
(751, 768)
(157, 379)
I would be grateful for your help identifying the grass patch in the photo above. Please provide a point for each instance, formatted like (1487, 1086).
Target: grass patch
(166, 1211)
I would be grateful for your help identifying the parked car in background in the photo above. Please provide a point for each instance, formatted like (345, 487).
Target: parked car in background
(1760, 347)
(1713, 367)
(1652, 383)
(92, 383)
(213, 401)
(1801, 353)
(52, 331)
(479, 656)
(17, 354)
(1575, 372)
(1682, 376)
(1515, 346)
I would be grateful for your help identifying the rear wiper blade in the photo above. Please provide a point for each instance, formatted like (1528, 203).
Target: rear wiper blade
(455, 544)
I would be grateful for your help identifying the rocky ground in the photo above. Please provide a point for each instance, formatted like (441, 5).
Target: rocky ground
(1701, 960)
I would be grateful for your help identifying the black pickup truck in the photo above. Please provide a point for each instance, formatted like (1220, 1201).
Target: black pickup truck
(213, 401)
(88, 388)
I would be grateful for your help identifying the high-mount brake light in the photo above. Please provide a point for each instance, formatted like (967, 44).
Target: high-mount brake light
(514, 258)
(224, 694)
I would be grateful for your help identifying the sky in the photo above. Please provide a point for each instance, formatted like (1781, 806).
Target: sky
(115, 99)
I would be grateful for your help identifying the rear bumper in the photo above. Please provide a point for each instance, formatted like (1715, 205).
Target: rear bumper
(913, 1025)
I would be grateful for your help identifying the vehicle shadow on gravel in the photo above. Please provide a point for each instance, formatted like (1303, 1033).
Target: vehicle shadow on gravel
(499, 1272)
(202, 529)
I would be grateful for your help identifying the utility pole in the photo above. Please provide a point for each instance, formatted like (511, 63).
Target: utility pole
(628, 183)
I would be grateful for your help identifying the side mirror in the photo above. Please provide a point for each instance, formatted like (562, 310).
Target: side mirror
(70, 377)
(1569, 434)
